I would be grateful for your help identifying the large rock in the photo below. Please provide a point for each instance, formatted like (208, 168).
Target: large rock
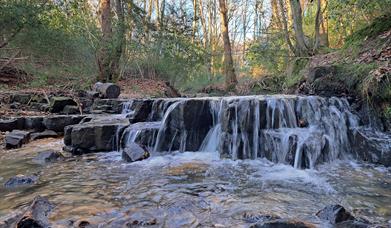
(43, 134)
(134, 152)
(334, 214)
(57, 104)
(98, 135)
(107, 90)
(110, 106)
(143, 133)
(37, 214)
(20, 181)
(58, 123)
(371, 146)
(16, 139)
(186, 126)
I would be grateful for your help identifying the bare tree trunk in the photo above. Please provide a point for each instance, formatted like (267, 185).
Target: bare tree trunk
(244, 29)
(297, 18)
(229, 70)
(119, 39)
(203, 25)
(194, 29)
(104, 60)
(285, 24)
(317, 26)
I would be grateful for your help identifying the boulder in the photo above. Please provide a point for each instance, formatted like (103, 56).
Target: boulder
(16, 139)
(10, 219)
(111, 106)
(58, 123)
(107, 90)
(57, 104)
(20, 180)
(43, 134)
(134, 152)
(371, 146)
(71, 109)
(97, 135)
(37, 214)
(47, 157)
(334, 214)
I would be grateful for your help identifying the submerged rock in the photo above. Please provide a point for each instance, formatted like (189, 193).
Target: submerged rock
(37, 214)
(134, 152)
(47, 156)
(43, 134)
(16, 139)
(283, 223)
(334, 214)
(20, 180)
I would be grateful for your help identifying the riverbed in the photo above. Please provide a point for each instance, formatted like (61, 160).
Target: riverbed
(191, 188)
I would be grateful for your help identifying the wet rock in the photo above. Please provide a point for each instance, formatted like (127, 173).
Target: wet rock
(20, 180)
(10, 220)
(34, 122)
(142, 109)
(37, 214)
(107, 90)
(57, 104)
(43, 134)
(371, 146)
(71, 109)
(58, 123)
(98, 135)
(186, 126)
(134, 152)
(334, 214)
(143, 133)
(47, 156)
(283, 223)
(356, 224)
(8, 124)
(16, 139)
(111, 106)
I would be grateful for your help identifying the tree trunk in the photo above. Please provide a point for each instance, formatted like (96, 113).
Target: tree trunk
(119, 41)
(229, 70)
(317, 26)
(297, 18)
(285, 24)
(194, 29)
(104, 59)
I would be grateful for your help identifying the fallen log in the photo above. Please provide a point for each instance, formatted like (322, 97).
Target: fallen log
(107, 90)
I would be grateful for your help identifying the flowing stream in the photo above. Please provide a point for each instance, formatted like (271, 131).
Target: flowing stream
(192, 188)
(252, 157)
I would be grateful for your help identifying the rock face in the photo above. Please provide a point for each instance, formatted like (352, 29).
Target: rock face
(334, 214)
(47, 156)
(37, 214)
(134, 152)
(20, 180)
(16, 139)
(371, 146)
(58, 123)
(98, 135)
(57, 104)
(8, 124)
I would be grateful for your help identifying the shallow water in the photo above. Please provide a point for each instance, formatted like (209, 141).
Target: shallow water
(190, 189)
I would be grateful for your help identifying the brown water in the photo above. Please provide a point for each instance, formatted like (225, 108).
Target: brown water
(190, 189)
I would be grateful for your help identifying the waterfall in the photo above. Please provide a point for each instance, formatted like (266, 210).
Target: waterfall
(298, 130)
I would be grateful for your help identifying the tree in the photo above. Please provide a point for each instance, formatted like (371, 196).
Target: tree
(111, 49)
(297, 18)
(229, 70)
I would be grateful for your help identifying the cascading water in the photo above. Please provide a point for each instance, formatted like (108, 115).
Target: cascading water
(298, 130)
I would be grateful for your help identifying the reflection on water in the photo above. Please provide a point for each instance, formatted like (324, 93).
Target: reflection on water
(190, 189)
